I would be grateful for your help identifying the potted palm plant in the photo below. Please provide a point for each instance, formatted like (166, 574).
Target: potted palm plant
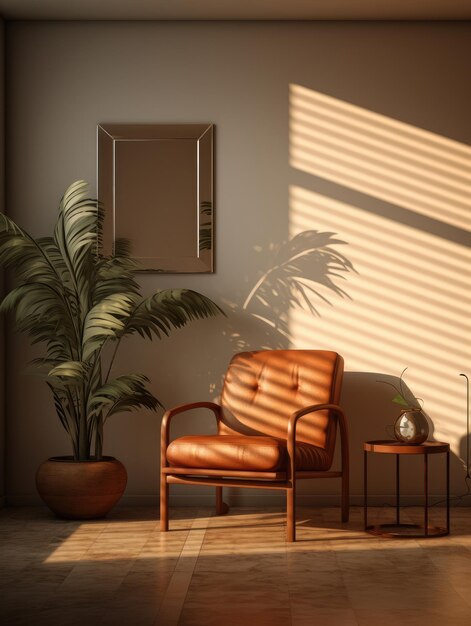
(76, 302)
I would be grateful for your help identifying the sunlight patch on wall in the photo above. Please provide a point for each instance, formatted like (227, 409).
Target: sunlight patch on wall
(374, 154)
(409, 306)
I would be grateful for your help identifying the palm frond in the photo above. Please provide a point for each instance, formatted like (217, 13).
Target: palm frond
(124, 393)
(24, 255)
(206, 207)
(76, 236)
(167, 309)
(105, 320)
(37, 301)
(41, 312)
(66, 412)
(206, 236)
(48, 245)
(113, 275)
(75, 370)
(122, 248)
(206, 228)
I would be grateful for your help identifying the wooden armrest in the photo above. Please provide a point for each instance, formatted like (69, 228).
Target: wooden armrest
(291, 432)
(165, 428)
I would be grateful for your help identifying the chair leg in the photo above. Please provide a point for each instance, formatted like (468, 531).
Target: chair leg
(345, 498)
(291, 515)
(221, 507)
(164, 489)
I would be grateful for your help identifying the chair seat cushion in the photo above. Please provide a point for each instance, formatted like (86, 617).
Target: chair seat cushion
(242, 452)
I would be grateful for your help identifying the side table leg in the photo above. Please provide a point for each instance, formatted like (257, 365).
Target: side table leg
(397, 491)
(426, 494)
(365, 488)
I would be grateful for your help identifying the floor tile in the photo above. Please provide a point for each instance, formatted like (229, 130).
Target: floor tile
(233, 569)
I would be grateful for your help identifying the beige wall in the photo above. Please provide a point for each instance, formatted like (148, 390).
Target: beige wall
(359, 129)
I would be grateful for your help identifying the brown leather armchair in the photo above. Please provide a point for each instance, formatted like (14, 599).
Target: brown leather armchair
(277, 424)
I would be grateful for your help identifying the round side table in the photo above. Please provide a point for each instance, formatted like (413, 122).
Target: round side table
(399, 449)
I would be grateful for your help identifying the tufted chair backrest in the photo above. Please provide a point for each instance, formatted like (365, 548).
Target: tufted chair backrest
(262, 389)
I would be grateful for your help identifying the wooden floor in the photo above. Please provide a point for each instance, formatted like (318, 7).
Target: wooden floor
(227, 571)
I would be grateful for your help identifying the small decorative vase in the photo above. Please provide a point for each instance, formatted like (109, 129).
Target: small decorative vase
(411, 426)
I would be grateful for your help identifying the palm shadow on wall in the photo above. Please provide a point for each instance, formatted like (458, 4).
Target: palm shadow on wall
(304, 271)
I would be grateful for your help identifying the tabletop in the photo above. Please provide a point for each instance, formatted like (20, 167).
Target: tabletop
(391, 446)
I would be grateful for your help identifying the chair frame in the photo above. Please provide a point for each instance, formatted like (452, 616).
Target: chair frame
(277, 480)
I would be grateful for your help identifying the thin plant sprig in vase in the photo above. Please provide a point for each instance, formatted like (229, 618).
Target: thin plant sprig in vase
(401, 396)
(411, 426)
(75, 302)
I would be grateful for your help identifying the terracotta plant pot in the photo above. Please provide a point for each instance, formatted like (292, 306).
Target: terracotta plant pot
(81, 489)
